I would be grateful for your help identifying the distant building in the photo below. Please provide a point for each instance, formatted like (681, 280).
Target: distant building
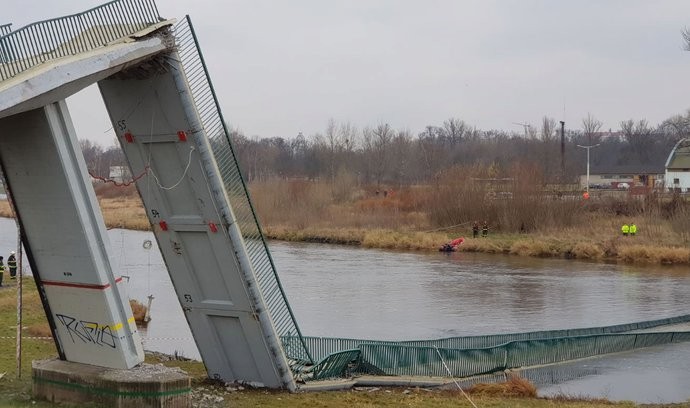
(678, 167)
(120, 174)
(624, 176)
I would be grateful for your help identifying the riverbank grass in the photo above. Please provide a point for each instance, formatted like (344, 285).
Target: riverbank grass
(388, 224)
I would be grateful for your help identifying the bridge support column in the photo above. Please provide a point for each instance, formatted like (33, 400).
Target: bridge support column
(65, 239)
(144, 386)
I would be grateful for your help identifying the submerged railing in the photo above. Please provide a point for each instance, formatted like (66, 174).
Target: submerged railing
(237, 194)
(59, 37)
(477, 355)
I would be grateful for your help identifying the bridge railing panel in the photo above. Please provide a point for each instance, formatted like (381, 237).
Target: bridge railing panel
(59, 37)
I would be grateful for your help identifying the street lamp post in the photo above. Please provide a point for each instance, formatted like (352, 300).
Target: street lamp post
(588, 147)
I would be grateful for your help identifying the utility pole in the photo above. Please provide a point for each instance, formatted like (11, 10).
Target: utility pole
(562, 151)
(524, 125)
(588, 148)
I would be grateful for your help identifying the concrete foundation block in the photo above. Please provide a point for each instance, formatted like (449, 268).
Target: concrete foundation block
(146, 385)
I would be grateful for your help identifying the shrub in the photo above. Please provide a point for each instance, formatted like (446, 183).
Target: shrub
(516, 386)
(138, 310)
(587, 250)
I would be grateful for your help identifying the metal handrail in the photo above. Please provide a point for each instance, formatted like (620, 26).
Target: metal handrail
(59, 37)
(216, 131)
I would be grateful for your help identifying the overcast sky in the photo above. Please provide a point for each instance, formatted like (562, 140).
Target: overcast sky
(283, 67)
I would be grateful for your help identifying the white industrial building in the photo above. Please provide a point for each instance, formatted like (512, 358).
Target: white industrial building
(678, 167)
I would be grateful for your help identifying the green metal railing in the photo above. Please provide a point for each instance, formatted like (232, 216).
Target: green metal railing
(323, 346)
(237, 194)
(393, 359)
(479, 355)
(59, 37)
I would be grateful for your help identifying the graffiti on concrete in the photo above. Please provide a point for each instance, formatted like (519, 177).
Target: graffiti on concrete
(88, 332)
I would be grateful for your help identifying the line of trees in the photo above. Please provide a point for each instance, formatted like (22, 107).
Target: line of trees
(382, 155)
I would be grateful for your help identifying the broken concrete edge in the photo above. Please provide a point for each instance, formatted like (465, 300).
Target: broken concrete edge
(375, 381)
(336, 384)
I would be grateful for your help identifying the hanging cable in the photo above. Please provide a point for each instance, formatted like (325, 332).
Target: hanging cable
(451, 376)
(120, 184)
(186, 169)
(445, 228)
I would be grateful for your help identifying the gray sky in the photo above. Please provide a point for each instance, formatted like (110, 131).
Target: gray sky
(283, 67)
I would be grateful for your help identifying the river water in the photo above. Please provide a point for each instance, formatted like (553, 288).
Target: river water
(338, 291)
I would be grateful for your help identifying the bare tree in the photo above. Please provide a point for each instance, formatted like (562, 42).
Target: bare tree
(639, 137)
(547, 150)
(333, 145)
(590, 128)
(686, 38)
(401, 149)
(454, 130)
(678, 126)
(367, 153)
(548, 129)
(348, 136)
(93, 153)
(383, 135)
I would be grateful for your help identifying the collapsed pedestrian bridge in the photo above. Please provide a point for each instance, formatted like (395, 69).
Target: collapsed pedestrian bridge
(165, 113)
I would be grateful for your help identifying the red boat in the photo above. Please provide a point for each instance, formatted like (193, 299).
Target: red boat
(452, 245)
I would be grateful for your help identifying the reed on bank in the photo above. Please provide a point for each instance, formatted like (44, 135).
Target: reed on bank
(422, 218)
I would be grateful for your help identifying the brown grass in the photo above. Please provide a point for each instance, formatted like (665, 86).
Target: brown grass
(124, 212)
(654, 254)
(536, 247)
(516, 386)
(490, 245)
(588, 250)
(119, 211)
(351, 236)
(531, 223)
(139, 311)
(403, 240)
(39, 330)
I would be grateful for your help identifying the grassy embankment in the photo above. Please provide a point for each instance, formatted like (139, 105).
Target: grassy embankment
(422, 218)
(529, 223)
(16, 392)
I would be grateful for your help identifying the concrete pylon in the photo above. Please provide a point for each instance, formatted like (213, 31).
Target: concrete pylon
(202, 247)
(65, 239)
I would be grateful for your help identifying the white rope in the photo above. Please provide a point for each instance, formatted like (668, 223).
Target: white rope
(445, 228)
(451, 376)
(186, 169)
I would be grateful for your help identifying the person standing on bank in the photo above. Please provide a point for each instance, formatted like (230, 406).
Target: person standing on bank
(485, 229)
(475, 229)
(12, 264)
(625, 229)
(2, 269)
(633, 229)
